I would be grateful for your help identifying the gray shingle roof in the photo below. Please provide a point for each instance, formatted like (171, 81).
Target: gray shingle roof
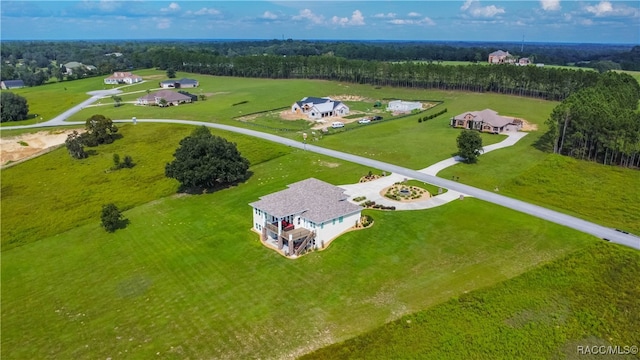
(317, 200)
(167, 95)
(13, 83)
(487, 116)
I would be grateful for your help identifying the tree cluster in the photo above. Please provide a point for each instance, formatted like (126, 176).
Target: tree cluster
(13, 107)
(599, 123)
(100, 130)
(205, 161)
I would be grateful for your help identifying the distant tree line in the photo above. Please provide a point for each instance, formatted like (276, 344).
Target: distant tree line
(36, 62)
(546, 83)
(599, 123)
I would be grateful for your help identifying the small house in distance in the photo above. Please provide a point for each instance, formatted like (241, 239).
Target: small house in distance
(404, 106)
(501, 57)
(171, 98)
(486, 120)
(178, 84)
(122, 78)
(11, 84)
(308, 214)
(318, 108)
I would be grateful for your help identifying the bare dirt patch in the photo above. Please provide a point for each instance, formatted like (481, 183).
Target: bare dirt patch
(350, 98)
(154, 77)
(16, 148)
(527, 126)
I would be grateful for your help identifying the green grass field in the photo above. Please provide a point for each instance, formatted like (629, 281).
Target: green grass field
(188, 279)
(588, 298)
(69, 192)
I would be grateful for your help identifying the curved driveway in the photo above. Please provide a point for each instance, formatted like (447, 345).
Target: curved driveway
(534, 210)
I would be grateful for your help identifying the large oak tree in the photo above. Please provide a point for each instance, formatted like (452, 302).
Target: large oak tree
(12, 107)
(206, 161)
(469, 145)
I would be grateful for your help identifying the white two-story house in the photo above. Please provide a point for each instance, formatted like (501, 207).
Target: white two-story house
(308, 214)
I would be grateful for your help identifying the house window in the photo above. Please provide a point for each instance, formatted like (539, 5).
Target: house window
(322, 226)
(334, 221)
(298, 221)
(340, 219)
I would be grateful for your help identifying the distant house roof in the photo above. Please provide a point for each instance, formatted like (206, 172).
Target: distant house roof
(184, 81)
(123, 75)
(322, 104)
(499, 53)
(73, 65)
(487, 116)
(317, 200)
(168, 95)
(12, 84)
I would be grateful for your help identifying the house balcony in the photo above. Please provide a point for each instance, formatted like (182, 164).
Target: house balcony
(296, 233)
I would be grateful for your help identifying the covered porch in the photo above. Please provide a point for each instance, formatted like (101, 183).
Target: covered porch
(291, 241)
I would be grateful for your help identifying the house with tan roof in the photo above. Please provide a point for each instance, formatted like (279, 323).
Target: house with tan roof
(120, 77)
(308, 214)
(318, 108)
(486, 120)
(501, 57)
(171, 98)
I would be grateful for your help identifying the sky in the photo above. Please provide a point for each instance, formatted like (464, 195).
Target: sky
(567, 21)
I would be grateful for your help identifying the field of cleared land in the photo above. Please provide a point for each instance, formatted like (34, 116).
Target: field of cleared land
(550, 313)
(182, 279)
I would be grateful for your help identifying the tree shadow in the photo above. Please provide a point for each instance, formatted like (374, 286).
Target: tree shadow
(197, 190)
(544, 143)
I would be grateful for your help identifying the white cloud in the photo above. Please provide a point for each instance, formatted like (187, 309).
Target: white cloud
(550, 5)
(605, 8)
(307, 14)
(356, 19)
(466, 5)
(269, 15)
(204, 11)
(475, 10)
(383, 16)
(414, 14)
(172, 7)
(426, 21)
(163, 23)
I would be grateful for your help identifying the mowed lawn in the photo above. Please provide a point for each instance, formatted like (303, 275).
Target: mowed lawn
(56, 192)
(559, 311)
(188, 279)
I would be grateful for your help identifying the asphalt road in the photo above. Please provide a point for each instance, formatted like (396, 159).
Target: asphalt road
(534, 210)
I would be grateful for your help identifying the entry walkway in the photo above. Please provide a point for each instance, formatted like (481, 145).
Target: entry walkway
(372, 189)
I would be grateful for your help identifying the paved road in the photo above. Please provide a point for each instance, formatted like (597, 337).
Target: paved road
(534, 210)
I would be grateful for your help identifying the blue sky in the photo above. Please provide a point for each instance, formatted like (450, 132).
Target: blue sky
(464, 20)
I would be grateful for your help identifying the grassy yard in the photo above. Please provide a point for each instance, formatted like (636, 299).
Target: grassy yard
(68, 192)
(188, 279)
(603, 194)
(588, 298)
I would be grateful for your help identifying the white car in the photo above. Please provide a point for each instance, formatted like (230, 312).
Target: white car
(364, 121)
(337, 124)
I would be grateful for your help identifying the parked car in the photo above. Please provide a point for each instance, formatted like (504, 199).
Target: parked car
(377, 118)
(337, 124)
(364, 121)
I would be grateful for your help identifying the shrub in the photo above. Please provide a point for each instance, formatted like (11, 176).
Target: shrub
(112, 218)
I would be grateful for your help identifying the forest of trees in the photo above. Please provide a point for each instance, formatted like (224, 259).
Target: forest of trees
(599, 123)
(597, 119)
(37, 61)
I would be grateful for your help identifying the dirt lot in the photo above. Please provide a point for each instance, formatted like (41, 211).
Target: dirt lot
(23, 146)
